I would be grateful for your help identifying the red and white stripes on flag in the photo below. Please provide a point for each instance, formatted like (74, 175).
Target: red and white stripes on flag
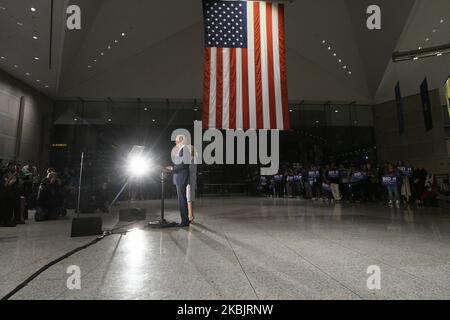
(246, 88)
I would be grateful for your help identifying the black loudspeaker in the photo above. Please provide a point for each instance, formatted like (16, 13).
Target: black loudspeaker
(132, 214)
(84, 227)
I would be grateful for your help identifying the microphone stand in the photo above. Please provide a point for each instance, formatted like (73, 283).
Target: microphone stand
(162, 223)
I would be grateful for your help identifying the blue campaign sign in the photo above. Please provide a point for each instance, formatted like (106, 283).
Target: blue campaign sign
(359, 175)
(278, 177)
(389, 180)
(313, 174)
(333, 174)
(407, 171)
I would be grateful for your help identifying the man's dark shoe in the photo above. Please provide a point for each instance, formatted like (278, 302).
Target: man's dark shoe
(183, 225)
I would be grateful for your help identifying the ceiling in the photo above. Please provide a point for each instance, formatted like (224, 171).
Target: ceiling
(154, 49)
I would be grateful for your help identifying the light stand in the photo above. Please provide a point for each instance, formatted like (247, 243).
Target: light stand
(162, 223)
(79, 185)
(86, 226)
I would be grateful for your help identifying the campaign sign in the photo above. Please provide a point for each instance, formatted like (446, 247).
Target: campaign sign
(334, 174)
(290, 178)
(313, 174)
(389, 180)
(263, 181)
(298, 178)
(407, 171)
(326, 187)
(359, 176)
(278, 177)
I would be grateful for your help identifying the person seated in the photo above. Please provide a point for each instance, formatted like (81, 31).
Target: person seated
(49, 199)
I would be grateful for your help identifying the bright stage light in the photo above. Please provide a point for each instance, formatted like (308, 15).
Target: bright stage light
(139, 166)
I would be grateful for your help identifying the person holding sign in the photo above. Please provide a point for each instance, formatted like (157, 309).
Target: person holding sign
(333, 176)
(391, 180)
(406, 173)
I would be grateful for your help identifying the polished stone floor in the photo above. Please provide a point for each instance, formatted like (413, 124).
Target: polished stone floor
(241, 248)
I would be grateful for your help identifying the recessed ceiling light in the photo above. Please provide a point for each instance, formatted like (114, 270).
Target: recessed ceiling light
(439, 54)
(291, 110)
(35, 37)
(16, 66)
(336, 111)
(195, 109)
(116, 41)
(75, 119)
(89, 66)
(334, 54)
(2, 57)
(416, 58)
(317, 121)
(109, 120)
(2, 8)
(323, 41)
(340, 61)
(38, 80)
(145, 109)
(345, 67)
(95, 60)
(154, 120)
(442, 21)
(349, 72)
(329, 48)
(123, 34)
(109, 47)
(28, 74)
(36, 58)
(427, 39)
(46, 85)
(102, 53)
(434, 30)
(420, 48)
(33, 9)
(19, 24)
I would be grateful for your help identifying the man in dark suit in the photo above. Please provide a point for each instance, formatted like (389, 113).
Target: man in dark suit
(180, 172)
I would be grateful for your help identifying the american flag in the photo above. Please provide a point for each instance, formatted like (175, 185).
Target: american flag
(245, 82)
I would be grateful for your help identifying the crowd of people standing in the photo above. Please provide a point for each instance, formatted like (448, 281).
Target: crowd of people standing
(393, 183)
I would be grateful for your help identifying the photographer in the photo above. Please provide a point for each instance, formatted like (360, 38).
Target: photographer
(8, 195)
(49, 200)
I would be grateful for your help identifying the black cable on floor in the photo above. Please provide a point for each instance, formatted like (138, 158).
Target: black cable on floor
(67, 255)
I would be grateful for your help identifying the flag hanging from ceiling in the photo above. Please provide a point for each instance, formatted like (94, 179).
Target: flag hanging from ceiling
(245, 81)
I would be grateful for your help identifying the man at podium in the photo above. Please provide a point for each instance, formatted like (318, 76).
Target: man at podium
(180, 172)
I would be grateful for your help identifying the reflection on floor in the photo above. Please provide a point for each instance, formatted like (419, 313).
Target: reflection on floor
(242, 248)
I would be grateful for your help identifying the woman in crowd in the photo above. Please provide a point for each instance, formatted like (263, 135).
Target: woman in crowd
(391, 180)
(406, 173)
(333, 177)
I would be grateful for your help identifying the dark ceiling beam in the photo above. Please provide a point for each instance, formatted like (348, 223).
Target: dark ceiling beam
(421, 54)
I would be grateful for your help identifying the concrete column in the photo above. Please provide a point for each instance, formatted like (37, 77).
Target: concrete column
(19, 129)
